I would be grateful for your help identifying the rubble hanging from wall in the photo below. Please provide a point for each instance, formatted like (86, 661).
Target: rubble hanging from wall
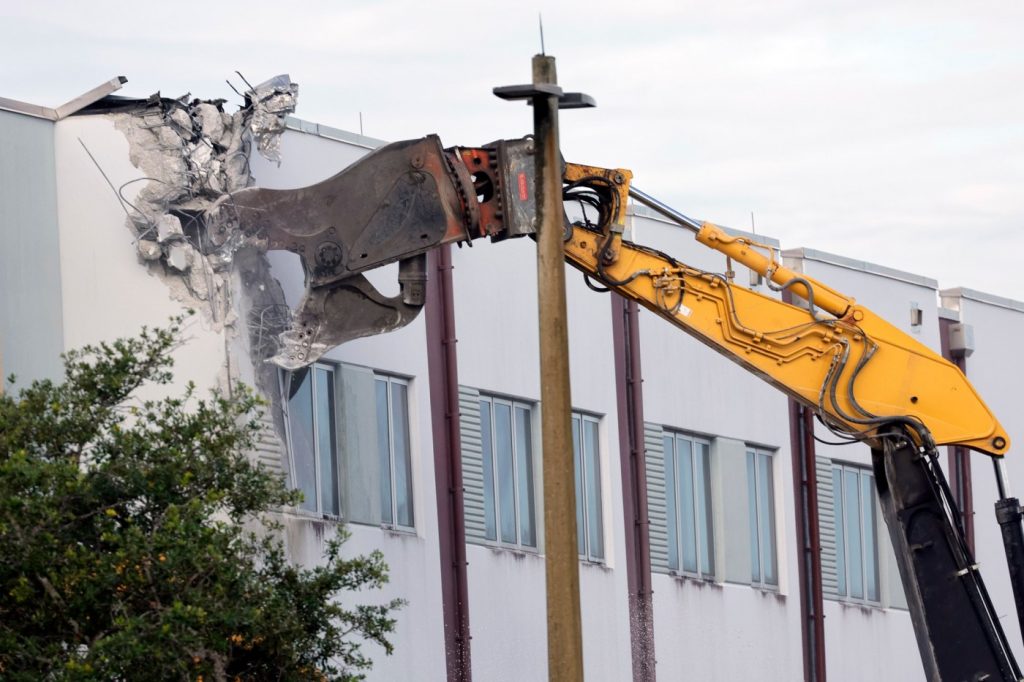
(192, 153)
(272, 101)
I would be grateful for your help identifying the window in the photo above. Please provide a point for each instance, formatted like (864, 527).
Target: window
(344, 466)
(761, 509)
(507, 449)
(393, 450)
(691, 546)
(312, 434)
(853, 500)
(587, 457)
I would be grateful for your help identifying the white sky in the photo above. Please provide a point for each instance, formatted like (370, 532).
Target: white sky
(891, 132)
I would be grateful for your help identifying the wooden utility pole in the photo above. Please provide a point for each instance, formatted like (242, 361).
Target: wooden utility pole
(565, 635)
(565, 638)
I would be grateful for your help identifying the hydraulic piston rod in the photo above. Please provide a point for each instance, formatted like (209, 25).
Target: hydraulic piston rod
(664, 209)
(744, 250)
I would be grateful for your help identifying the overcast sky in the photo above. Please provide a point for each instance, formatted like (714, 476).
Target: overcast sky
(884, 131)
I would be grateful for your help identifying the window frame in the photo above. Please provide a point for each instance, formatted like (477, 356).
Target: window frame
(287, 377)
(392, 380)
(676, 519)
(843, 576)
(764, 527)
(513, 404)
(579, 464)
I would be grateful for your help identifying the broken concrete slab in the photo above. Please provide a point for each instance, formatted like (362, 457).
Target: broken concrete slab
(179, 257)
(149, 250)
(272, 101)
(211, 121)
(182, 119)
(192, 153)
(168, 228)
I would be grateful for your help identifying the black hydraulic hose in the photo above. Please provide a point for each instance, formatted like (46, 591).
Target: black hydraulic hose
(807, 285)
(832, 381)
(593, 287)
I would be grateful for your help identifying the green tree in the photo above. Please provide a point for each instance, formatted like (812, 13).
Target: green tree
(127, 548)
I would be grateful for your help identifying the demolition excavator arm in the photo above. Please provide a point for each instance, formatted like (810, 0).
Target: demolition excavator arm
(865, 379)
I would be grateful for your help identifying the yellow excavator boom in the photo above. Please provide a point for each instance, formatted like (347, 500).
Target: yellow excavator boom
(836, 356)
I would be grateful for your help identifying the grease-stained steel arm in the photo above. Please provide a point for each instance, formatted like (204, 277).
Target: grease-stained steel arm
(395, 204)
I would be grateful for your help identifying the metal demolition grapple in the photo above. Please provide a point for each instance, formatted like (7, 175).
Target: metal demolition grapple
(395, 204)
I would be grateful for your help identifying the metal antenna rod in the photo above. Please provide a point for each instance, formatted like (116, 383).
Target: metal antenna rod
(540, 23)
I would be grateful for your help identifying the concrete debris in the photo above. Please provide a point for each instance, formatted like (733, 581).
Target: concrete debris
(183, 120)
(149, 250)
(212, 121)
(168, 227)
(193, 153)
(179, 257)
(272, 101)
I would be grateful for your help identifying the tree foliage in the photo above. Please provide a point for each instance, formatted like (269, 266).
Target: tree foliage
(124, 552)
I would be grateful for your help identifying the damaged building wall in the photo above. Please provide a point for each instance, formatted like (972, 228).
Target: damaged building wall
(31, 326)
(126, 181)
(117, 176)
(107, 293)
(173, 160)
(91, 197)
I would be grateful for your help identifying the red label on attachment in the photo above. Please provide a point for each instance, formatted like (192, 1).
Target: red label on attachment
(524, 193)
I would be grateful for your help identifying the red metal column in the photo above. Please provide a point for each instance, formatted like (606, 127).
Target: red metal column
(442, 366)
(805, 496)
(632, 457)
(805, 489)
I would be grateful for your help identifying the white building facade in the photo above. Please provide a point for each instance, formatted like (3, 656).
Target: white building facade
(730, 593)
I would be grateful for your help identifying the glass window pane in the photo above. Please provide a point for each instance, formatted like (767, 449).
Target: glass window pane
(300, 427)
(578, 467)
(839, 515)
(384, 450)
(326, 440)
(755, 552)
(854, 541)
(867, 489)
(524, 471)
(505, 471)
(687, 529)
(486, 439)
(705, 528)
(671, 509)
(766, 517)
(403, 464)
(593, 461)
